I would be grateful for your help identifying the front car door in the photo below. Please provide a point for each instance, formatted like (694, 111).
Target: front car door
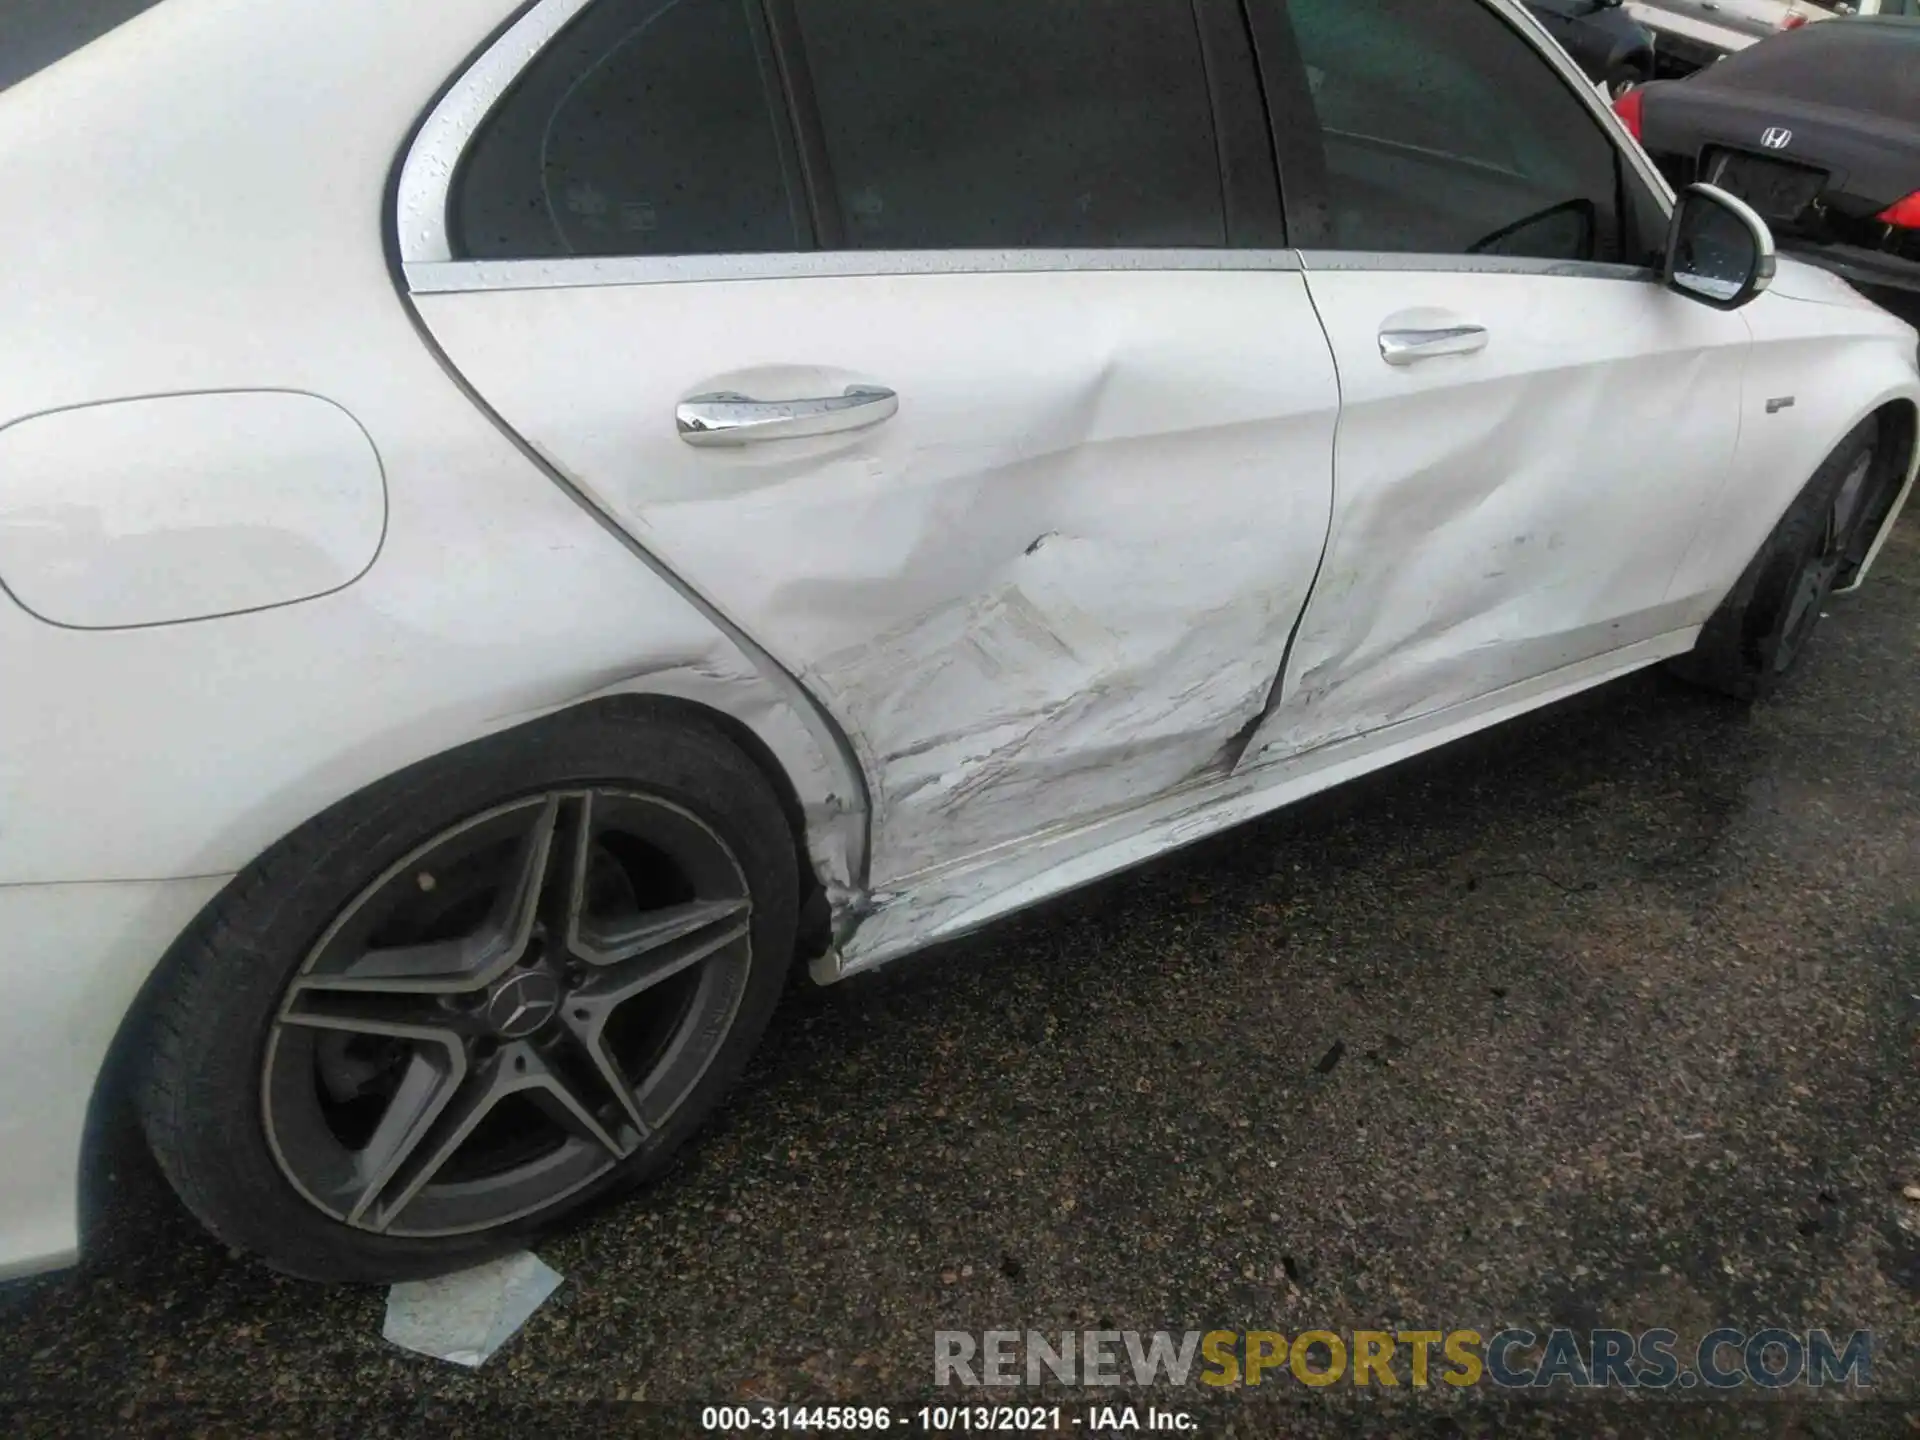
(1532, 427)
(1032, 457)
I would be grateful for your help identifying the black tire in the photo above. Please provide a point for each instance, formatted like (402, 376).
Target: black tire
(208, 1087)
(1759, 633)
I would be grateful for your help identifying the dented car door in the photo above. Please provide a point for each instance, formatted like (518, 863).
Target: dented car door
(1024, 471)
(1532, 426)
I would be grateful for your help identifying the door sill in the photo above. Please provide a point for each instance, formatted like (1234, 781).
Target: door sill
(947, 903)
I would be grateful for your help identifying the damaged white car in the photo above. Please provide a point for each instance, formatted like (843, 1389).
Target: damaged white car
(518, 519)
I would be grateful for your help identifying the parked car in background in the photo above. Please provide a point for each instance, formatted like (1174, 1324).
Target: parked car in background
(1695, 33)
(1613, 48)
(1877, 7)
(1817, 129)
(520, 522)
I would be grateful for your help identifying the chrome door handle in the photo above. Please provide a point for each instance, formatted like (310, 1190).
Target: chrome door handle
(1403, 347)
(727, 418)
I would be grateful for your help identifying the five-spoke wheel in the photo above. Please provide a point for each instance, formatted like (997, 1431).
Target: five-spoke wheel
(1762, 627)
(507, 1013)
(460, 1004)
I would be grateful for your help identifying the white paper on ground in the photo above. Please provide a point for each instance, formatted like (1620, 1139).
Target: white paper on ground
(465, 1318)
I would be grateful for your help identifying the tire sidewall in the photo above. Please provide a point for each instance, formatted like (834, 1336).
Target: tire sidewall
(1794, 545)
(1738, 648)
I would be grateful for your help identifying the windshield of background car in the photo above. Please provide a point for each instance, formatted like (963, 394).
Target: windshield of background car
(35, 33)
(1871, 66)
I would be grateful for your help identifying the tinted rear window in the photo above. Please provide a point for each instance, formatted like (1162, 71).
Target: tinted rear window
(957, 124)
(658, 127)
(648, 128)
(35, 33)
(1866, 65)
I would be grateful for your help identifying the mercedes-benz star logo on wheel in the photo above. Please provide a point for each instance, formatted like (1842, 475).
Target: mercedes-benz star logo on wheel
(1778, 137)
(521, 1004)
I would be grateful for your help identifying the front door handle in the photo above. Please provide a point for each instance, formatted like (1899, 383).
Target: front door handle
(1403, 347)
(728, 418)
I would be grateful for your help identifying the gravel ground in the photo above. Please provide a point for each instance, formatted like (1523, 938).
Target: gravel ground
(1609, 1018)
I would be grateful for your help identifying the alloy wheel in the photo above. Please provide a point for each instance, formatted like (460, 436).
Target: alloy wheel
(508, 1013)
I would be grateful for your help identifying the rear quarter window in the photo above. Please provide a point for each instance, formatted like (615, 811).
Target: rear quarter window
(648, 127)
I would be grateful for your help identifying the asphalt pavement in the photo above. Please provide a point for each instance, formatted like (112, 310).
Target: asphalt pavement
(1610, 1018)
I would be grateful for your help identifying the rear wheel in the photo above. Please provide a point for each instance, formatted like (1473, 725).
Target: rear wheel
(462, 1004)
(1757, 636)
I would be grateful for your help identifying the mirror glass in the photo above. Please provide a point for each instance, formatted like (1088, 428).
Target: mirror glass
(1714, 253)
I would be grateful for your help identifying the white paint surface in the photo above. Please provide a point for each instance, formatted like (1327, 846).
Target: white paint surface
(1058, 583)
(180, 507)
(199, 254)
(1811, 348)
(495, 598)
(1503, 514)
(75, 958)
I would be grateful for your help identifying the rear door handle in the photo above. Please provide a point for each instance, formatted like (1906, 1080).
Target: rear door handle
(1403, 347)
(729, 418)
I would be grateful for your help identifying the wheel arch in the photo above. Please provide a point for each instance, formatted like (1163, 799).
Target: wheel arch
(1899, 422)
(818, 892)
(109, 1122)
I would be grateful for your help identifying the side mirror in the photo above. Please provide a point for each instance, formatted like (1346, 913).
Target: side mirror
(1718, 251)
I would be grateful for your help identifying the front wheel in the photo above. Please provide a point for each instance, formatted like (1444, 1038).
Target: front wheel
(1757, 636)
(462, 1004)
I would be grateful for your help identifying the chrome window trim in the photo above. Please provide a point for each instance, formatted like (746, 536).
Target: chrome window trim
(427, 177)
(1332, 260)
(461, 276)
(1555, 55)
(426, 180)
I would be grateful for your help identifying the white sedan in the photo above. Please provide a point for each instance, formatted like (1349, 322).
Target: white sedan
(519, 520)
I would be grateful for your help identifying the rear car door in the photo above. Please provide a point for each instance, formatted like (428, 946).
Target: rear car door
(951, 350)
(1532, 427)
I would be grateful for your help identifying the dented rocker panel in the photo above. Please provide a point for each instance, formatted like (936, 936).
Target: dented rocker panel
(977, 893)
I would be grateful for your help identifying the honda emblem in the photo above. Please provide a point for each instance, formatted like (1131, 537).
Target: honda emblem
(1778, 137)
